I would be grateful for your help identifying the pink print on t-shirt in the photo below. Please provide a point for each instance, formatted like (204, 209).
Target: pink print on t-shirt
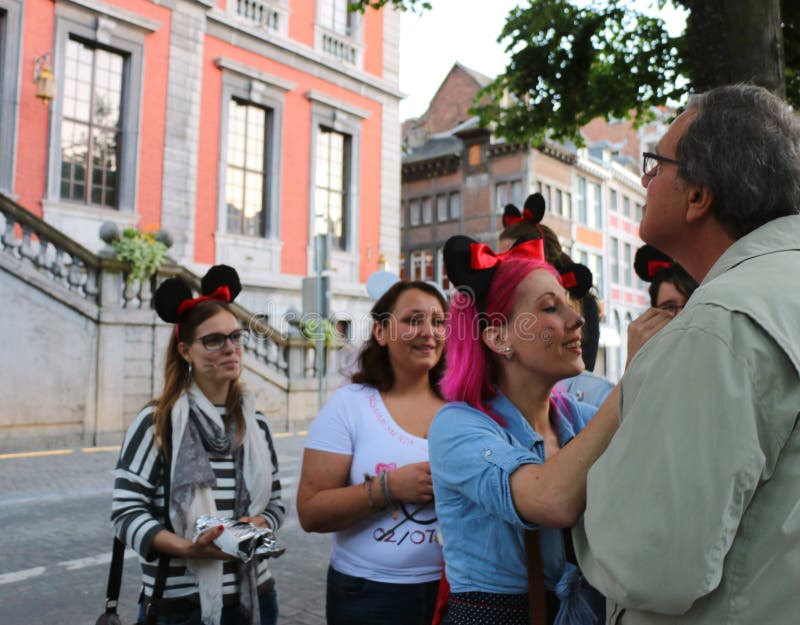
(385, 466)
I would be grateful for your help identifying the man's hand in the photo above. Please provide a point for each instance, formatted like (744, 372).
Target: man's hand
(644, 327)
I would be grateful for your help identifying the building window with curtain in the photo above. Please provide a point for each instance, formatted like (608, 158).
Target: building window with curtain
(332, 185)
(614, 244)
(91, 127)
(628, 265)
(246, 180)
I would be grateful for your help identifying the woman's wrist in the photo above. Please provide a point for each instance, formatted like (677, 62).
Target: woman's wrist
(373, 506)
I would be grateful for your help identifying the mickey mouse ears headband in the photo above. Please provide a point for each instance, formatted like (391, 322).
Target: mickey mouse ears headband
(575, 277)
(532, 211)
(649, 261)
(471, 265)
(173, 297)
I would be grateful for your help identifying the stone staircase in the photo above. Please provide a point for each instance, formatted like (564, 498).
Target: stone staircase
(83, 347)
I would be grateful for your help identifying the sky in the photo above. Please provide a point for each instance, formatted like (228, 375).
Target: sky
(458, 30)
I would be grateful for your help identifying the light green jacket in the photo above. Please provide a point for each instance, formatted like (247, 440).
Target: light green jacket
(693, 511)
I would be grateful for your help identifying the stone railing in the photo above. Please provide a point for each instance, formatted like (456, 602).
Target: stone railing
(262, 14)
(36, 245)
(87, 344)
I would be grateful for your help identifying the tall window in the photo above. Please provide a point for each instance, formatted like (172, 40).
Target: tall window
(614, 243)
(508, 193)
(596, 218)
(246, 175)
(626, 206)
(612, 200)
(334, 15)
(332, 185)
(582, 212)
(441, 207)
(628, 265)
(414, 214)
(427, 210)
(91, 129)
(455, 205)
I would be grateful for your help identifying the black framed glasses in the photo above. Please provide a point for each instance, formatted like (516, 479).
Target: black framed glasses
(651, 162)
(216, 341)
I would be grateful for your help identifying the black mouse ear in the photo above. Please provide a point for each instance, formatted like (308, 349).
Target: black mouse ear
(533, 209)
(576, 278)
(511, 215)
(457, 256)
(648, 261)
(221, 275)
(168, 297)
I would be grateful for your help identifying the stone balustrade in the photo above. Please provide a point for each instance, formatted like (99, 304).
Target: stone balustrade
(87, 347)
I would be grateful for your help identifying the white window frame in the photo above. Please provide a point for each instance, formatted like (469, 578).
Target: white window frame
(329, 112)
(255, 257)
(10, 64)
(123, 32)
(347, 49)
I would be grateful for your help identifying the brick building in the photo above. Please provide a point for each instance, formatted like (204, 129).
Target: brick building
(457, 178)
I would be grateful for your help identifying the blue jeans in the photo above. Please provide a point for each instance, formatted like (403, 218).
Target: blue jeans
(359, 601)
(267, 604)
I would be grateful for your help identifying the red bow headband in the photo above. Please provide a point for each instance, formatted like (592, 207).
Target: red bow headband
(655, 265)
(222, 294)
(481, 256)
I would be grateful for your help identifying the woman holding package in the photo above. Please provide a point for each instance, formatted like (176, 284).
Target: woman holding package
(509, 459)
(366, 476)
(199, 449)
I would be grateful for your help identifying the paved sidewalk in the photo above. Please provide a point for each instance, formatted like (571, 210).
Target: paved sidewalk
(38, 480)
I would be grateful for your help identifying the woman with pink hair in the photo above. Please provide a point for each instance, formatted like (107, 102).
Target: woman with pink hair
(505, 479)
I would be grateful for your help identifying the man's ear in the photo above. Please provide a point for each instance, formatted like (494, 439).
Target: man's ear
(699, 202)
(495, 337)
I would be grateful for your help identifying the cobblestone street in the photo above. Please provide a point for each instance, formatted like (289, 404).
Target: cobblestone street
(57, 539)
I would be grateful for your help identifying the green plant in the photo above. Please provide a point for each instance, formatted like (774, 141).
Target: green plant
(141, 249)
(312, 327)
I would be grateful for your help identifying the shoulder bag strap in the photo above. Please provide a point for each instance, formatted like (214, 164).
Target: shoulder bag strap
(163, 561)
(117, 561)
(537, 602)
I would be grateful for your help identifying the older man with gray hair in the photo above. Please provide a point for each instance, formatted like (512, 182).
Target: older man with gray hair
(693, 511)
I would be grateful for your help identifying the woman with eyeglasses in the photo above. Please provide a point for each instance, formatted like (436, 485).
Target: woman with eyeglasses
(200, 448)
(670, 285)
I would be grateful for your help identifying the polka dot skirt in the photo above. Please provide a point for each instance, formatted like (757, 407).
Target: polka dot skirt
(486, 608)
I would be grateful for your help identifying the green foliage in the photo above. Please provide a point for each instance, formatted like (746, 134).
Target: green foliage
(312, 327)
(569, 65)
(144, 253)
(416, 6)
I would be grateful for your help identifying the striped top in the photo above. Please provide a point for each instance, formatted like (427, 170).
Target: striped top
(137, 511)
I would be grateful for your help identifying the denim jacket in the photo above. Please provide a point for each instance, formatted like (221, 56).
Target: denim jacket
(472, 458)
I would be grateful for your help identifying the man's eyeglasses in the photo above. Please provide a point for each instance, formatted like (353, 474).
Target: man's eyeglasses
(651, 162)
(216, 341)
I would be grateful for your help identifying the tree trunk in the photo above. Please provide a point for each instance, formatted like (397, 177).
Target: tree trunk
(733, 41)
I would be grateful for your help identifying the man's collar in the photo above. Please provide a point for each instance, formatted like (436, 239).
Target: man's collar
(774, 236)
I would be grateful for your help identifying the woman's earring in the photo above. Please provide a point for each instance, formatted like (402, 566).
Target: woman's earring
(188, 372)
(507, 353)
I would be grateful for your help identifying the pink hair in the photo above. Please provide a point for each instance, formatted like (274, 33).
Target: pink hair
(471, 370)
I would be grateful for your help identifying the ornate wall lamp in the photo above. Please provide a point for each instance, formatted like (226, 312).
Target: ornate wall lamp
(43, 77)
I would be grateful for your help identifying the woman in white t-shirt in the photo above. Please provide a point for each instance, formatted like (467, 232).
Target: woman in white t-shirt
(366, 475)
